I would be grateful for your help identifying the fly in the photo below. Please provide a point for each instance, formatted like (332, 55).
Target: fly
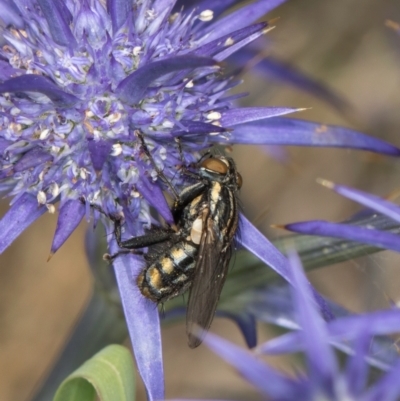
(197, 254)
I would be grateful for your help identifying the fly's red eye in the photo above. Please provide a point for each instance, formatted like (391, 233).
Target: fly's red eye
(216, 165)
(239, 180)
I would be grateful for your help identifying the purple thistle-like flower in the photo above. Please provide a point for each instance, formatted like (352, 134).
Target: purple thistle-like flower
(80, 80)
(323, 379)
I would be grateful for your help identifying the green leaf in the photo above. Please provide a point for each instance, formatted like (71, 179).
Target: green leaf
(108, 376)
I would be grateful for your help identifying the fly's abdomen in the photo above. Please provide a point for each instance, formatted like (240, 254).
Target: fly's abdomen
(170, 274)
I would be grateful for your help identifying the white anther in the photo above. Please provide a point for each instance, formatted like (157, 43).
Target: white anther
(163, 153)
(51, 208)
(167, 124)
(15, 111)
(229, 42)
(41, 198)
(114, 117)
(214, 115)
(116, 149)
(150, 14)
(83, 173)
(154, 175)
(206, 15)
(54, 189)
(96, 195)
(44, 134)
(96, 134)
(137, 50)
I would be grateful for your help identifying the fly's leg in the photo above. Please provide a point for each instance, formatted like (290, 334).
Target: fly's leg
(152, 238)
(131, 245)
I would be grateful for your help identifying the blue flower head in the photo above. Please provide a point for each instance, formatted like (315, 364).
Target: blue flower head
(81, 79)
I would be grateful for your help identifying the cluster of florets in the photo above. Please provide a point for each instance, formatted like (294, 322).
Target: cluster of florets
(72, 133)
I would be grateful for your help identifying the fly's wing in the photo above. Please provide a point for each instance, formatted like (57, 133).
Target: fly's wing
(209, 277)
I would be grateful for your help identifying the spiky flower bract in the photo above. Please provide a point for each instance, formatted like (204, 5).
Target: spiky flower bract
(81, 79)
(322, 378)
(369, 234)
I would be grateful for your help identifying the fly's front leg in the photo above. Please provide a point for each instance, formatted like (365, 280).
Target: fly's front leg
(131, 245)
(155, 236)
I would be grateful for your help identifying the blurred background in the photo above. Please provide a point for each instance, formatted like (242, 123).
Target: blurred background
(344, 44)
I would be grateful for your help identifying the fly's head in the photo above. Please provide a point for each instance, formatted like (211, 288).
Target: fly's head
(221, 169)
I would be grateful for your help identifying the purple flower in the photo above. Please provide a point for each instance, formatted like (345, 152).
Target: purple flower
(323, 378)
(80, 80)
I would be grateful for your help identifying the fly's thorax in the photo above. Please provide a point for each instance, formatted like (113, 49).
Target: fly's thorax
(221, 169)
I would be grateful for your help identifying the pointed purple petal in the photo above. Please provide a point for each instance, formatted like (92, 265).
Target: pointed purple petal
(284, 344)
(10, 14)
(320, 357)
(236, 46)
(99, 151)
(387, 388)
(356, 368)
(19, 217)
(119, 11)
(371, 201)
(345, 328)
(4, 144)
(274, 69)
(215, 46)
(259, 246)
(70, 215)
(154, 195)
(58, 18)
(218, 6)
(133, 87)
(241, 18)
(32, 158)
(143, 323)
(196, 128)
(336, 230)
(285, 131)
(247, 114)
(6, 70)
(160, 5)
(254, 371)
(40, 84)
(382, 322)
(246, 323)
(272, 304)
